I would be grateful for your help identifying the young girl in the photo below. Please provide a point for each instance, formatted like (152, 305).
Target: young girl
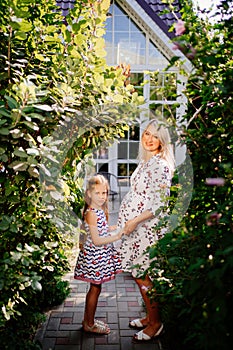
(98, 261)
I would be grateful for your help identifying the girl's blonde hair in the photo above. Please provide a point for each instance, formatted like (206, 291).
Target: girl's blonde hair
(166, 148)
(91, 183)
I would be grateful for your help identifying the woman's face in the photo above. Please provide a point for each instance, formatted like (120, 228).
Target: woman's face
(150, 141)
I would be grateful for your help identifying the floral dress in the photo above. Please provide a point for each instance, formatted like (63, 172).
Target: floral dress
(150, 186)
(97, 264)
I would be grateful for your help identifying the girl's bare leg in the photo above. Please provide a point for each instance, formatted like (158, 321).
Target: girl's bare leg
(91, 303)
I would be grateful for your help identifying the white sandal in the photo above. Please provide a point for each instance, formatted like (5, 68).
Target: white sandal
(98, 328)
(136, 324)
(141, 336)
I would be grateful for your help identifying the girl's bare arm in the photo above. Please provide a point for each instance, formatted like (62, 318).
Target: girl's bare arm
(91, 220)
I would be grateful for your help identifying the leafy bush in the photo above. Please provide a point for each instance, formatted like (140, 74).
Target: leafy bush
(50, 71)
(193, 272)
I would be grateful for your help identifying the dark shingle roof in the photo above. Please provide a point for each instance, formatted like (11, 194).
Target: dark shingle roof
(65, 5)
(154, 9)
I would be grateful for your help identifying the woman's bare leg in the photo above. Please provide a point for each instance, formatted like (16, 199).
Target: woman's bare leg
(152, 308)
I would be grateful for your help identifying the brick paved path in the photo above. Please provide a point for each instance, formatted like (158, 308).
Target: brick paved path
(119, 302)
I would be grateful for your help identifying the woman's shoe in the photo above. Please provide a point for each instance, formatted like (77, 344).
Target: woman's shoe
(136, 324)
(98, 327)
(143, 337)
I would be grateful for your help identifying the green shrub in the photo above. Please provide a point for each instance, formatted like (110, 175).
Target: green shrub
(48, 75)
(193, 274)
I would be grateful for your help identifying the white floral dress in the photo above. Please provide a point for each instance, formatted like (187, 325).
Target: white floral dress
(150, 186)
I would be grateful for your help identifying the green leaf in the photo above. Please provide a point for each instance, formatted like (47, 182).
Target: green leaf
(56, 195)
(20, 153)
(16, 133)
(44, 107)
(20, 36)
(18, 165)
(4, 131)
(36, 285)
(33, 151)
(12, 103)
(31, 125)
(79, 39)
(16, 256)
(33, 171)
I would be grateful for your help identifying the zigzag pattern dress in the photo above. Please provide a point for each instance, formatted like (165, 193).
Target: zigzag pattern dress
(97, 264)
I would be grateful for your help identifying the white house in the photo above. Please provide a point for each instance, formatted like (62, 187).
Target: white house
(137, 33)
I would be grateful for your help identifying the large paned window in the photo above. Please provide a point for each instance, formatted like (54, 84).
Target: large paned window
(128, 43)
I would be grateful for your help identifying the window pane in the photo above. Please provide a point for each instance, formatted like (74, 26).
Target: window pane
(108, 24)
(139, 38)
(155, 56)
(134, 27)
(133, 150)
(170, 86)
(121, 23)
(101, 153)
(132, 167)
(136, 78)
(134, 133)
(102, 167)
(118, 11)
(129, 40)
(163, 110)
(163, 87)
(108, 38)
(123, 150)
(122, 169)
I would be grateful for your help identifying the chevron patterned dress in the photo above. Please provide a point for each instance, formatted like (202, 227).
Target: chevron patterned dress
(97, 264)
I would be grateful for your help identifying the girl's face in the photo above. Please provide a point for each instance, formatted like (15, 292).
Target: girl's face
(98, 196)
(150, 140)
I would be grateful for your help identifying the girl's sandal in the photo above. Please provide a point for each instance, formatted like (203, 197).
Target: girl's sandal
(98, 328)
(100, 322)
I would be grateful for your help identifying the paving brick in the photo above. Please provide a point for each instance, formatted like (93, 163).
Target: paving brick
(53, 323)
(122, 306)
(101, 340)
(48, 343)
(112, 317)
(124, 322)
(114, 337)
(66, 320)
(107, 347)
(68, 347)
(61, 314)
(119, 302)
(69, 303)
(78, 317)
(63, 341)
(56, 334)
(73, 327)
(75, 337)
(126, 343)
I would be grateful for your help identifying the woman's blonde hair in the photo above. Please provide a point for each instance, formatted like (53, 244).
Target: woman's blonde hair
(166, 148)
(91, 183)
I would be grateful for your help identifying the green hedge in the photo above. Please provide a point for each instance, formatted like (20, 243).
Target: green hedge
(193, 273)
(48, 75)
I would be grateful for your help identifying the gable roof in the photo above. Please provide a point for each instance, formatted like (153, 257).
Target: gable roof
(154, 9)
